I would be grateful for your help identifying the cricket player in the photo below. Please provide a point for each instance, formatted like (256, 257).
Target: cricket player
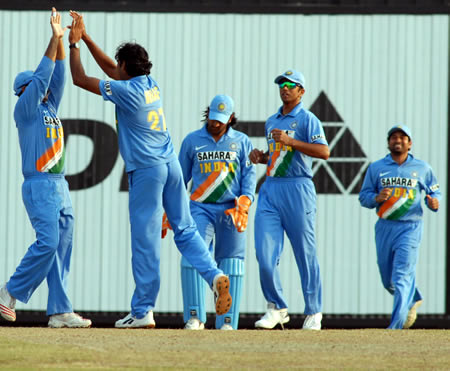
(215, 158)
(45, 191)
(154, 173)
(287, 202)
(393, 186)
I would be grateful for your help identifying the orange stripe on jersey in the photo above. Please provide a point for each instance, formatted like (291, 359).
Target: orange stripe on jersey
(275, 155)
(205, 185)
(387, 205)
(49, 154)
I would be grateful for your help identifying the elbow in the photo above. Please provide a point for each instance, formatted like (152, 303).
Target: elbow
(325, 154)
(77, 81)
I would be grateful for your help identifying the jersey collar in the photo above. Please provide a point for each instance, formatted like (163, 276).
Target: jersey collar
(390, 160)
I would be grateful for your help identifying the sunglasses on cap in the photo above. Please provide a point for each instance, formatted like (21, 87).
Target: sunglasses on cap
(288, 84)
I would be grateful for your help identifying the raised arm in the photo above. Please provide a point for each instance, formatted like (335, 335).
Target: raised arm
(79, 77)
(107, 64)
(58, 33)
(56, 87)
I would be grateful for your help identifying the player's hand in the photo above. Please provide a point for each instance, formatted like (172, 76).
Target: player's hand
(257, 156)
(77, 28)
(280, 136)
(239, 214)
(433, 203)
(165, 225)
(55, 22)
(384, 194)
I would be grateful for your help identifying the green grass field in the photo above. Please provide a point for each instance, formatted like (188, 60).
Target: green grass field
(38, 348)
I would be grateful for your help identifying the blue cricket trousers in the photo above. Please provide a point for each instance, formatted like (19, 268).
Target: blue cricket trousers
(288, 204)
(151, 191)
(397, 253)
(47, 201)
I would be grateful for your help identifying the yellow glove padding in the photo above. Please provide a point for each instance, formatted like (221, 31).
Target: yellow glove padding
(165, 225)
(239, 214)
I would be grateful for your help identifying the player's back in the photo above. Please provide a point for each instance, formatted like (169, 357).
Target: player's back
(144, 140)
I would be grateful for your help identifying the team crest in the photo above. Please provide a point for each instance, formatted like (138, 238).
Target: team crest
(288, 73)
(294, 125)
(414, 174)
(233, 146)
(221, 107)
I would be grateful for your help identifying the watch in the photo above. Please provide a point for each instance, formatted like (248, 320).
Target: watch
(74, 45)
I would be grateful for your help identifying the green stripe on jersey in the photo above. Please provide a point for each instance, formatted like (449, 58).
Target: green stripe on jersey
(59, 166)
(402, 210)
(284, 166)
(220, 189)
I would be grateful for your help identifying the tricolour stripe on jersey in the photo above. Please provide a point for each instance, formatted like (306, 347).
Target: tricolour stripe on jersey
(280, 163)
(395, 207)
(51, 157)
(213, 187)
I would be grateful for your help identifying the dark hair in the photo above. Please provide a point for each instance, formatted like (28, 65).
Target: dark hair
(135, 58)
(206, 113)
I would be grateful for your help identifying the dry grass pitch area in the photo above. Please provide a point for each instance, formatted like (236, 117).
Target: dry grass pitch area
(25, 347)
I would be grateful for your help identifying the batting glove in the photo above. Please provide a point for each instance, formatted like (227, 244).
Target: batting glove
(165, 225)
(239, 214)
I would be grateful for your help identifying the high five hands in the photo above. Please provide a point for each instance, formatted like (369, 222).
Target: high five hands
(55, 22)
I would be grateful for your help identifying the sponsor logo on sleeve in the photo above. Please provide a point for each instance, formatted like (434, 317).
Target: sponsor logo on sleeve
(108, 88)
(434, 187)
(316, 137)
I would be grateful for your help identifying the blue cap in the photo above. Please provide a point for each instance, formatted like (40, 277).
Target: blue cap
(23, 78)
(399, 127)
(292, 75)
(221, 108)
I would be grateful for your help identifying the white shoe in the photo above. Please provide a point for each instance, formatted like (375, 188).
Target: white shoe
(221, 288)
(132, 322)
(227, 327)
(7, 305)
(313, 322)
(71, 320)
(194, 324)
(412, 315)
(273, 317)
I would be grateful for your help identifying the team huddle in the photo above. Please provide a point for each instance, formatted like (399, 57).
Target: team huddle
(209, 223)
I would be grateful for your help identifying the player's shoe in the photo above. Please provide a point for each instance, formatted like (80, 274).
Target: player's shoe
(194, 324)
(132, 322)
(71, 320)
(221, 288)
(412, 315)
(313, 322)
(227, 327)
(273, 317)
(7, 305)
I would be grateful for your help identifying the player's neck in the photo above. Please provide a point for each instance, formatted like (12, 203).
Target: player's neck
(289, 106)
(399, 158)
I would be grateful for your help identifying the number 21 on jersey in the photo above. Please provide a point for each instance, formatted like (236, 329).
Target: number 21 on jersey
(157, 120)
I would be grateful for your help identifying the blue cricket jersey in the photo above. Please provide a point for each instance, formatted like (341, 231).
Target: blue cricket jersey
(144, 140)
(41, 134)
(300, 124)
(220, 171)
(407, 181)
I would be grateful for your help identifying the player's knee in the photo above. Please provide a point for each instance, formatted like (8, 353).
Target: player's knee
(48, 244)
